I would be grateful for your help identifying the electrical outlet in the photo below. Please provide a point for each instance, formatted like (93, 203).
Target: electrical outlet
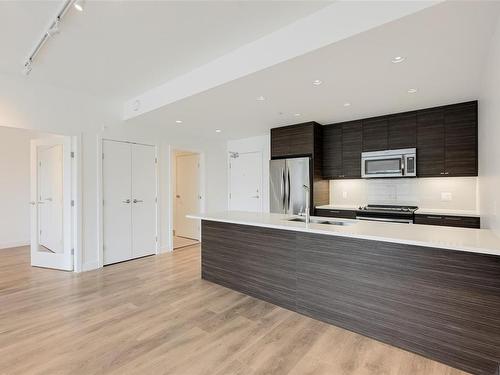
(446, 197)
(344, 194)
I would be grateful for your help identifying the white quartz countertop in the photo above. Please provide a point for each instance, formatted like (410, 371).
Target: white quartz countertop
(444, 211)
(482, 241)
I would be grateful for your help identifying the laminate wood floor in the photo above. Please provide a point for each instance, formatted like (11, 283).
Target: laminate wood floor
(156, 316)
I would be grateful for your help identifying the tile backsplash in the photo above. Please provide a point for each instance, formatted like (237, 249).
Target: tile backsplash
(457, 193)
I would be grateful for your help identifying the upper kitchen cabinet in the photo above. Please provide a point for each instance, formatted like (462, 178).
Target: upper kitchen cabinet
(461, 139)
(293, 140)
(430, 143)
(402, 131)
(342, 146)
(447, 141)
(375, 134)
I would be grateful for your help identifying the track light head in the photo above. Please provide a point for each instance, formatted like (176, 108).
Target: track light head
(79, 5)
(27, 68)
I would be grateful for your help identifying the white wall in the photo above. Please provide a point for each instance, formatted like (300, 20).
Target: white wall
(421, 192)
(489, 138)
(28, 105)
(15, 186)
(260, 144)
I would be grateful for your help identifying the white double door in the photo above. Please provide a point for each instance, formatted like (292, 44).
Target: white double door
(129, 201)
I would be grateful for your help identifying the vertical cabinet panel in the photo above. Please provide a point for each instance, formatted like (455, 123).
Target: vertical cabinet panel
(352, 145)
(430, 143)
(117, 215)
(143, 201)
(375, 137)
(332, 151)
(461, 140)
(402, 131)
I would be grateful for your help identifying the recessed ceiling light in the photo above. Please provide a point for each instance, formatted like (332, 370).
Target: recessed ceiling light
(218, 130)
(347, 104)
(412, 91)
(178, 121)
(260, 98)
(317, 82)
(79, 5)
(297, 114)
(398, 59)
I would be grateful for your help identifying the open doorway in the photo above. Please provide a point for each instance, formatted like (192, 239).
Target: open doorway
(38, 197)
(187, 198)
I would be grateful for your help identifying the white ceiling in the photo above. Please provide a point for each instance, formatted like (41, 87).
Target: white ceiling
(445, 48)
(120, 48)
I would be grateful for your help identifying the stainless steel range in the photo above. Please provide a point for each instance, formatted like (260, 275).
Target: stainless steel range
(388, 213)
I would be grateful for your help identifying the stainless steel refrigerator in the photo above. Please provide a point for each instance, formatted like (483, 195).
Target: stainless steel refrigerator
(287, 180)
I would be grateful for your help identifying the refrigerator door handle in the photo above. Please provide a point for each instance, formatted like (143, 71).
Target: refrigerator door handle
(283, 187)
(288, 209)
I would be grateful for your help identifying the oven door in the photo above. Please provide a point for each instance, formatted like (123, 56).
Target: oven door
(382, 166)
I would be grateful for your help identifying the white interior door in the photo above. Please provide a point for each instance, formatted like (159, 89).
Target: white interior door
(144, 236)
(245, 182)
(117, 201)
(51, 214)
(187, 195)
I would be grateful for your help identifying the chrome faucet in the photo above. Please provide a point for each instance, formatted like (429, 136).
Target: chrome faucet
(307, 191)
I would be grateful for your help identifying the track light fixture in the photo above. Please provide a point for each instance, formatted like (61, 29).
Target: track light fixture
(52, 30)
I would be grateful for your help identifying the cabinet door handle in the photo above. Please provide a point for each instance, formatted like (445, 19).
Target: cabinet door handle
(334, 212)
(453, 218)
(137, 201)
(446, 172)
(442, 173)
(126, 201)
(434, 217)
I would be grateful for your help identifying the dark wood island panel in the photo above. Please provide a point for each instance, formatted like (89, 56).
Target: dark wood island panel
(439, 303)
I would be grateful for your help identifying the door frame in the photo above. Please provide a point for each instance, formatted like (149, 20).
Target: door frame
(262, 190)
(100, 201)
(72, 202)
(172, 149)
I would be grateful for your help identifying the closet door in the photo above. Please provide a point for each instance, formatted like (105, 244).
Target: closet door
(117, 220)
(143, 200)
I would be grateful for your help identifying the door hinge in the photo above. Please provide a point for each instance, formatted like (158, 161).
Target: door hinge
(156, 160)
(156, 238)
(103, 156)
(72, 203)
(229, 195)
(72, 154)
(156, 199)
(72, 251)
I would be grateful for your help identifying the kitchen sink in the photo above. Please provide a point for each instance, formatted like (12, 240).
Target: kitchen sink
(322, 221)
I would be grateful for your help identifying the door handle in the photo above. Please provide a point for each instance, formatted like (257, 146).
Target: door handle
(137, 201)
(32, 203)
(40, 202)
(48, 199)
(283, 187)
(288, 189)
(126, 201)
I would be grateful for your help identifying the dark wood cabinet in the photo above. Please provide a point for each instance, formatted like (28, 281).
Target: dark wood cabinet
(447, 141)
(342, 147)
(332, 152)
(430, 143)
(461, 139)
(375, 134)
(343, 214)
(352, 144)
(293, 140)
(402, 131)
(449, 220)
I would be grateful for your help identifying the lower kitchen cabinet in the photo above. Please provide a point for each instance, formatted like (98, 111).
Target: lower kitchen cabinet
(343, 214)
(449, 221)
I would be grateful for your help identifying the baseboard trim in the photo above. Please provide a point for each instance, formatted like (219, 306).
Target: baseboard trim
(8, 245)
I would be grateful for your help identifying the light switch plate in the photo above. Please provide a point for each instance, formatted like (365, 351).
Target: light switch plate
(446, 197)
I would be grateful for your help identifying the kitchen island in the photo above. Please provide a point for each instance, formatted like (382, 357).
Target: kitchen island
(432, 292)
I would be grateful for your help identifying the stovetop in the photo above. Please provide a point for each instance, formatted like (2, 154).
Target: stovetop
(388, 208)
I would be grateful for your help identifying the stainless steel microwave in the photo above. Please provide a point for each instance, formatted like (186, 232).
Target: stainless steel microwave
(389, 163)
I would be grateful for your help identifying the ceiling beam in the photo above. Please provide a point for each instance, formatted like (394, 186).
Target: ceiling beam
(331, 24)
